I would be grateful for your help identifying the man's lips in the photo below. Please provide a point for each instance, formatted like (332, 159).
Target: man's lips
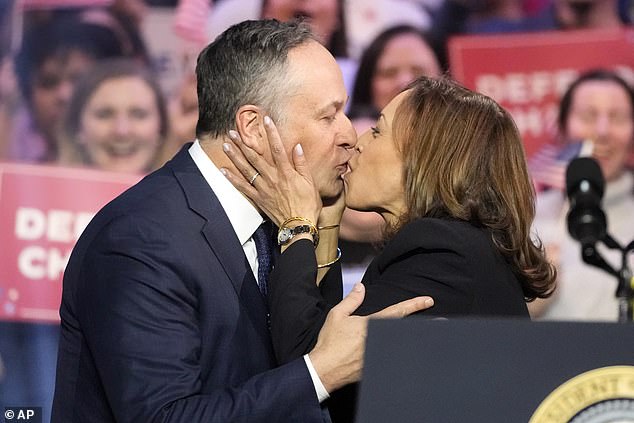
(344, 166)
(348, 170)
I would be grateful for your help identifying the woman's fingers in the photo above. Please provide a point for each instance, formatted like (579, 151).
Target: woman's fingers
(300, 163)
(280, 157)
(247, 178)
(247, 160)
(281, 189)
(239, 159)
(240, 183)
(405, 308)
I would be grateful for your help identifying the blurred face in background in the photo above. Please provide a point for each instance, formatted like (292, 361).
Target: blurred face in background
(322, 15)
(601, 111)
(53, 87)
(134, 9)
(571, 14)
(404, 58)
(120, 126)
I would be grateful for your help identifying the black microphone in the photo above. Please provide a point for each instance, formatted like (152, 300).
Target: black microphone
(584, 186)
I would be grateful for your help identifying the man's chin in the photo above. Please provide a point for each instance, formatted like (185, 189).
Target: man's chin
(330, 196)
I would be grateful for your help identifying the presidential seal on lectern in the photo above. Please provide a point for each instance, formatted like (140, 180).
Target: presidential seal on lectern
(603, 395)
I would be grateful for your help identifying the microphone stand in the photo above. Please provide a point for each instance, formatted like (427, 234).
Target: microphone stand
(625, 288)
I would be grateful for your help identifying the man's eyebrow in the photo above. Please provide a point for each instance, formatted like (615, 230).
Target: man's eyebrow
(338, 105)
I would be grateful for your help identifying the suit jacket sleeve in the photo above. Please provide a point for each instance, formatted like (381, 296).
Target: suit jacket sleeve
(142, 325)
(298, 306)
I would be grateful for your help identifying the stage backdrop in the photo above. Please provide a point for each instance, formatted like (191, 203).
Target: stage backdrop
(528, 73)
(43, 210)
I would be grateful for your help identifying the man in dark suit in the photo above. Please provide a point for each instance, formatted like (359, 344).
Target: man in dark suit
(163, 316)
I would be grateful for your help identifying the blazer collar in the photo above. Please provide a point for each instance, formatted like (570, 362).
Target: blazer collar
(220, 236)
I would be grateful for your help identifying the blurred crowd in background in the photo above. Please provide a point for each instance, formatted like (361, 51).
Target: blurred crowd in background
(110, 85)
(55, 110)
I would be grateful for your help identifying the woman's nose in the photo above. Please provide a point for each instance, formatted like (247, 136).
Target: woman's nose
(602, 125)
(122, 125)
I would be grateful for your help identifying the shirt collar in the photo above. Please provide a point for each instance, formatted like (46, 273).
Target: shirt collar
(244, 217)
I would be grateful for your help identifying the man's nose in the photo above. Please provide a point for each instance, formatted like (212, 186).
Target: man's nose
(348, 138)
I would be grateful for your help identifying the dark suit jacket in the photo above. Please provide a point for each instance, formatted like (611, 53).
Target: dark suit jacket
(162, 319)
(453, 261)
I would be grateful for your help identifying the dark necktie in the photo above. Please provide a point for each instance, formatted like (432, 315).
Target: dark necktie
(263, 238)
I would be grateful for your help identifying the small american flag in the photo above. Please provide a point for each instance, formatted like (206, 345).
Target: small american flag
(548, 165)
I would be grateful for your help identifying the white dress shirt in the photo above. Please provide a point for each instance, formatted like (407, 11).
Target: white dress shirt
(244, 219)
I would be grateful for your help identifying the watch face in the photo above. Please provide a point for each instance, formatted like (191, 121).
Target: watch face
(284, 235)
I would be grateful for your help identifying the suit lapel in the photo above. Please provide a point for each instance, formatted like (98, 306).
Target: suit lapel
(220, 237)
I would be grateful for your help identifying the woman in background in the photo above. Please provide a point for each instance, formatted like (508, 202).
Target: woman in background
(598, 107)
(117, 119)
(53, 55)
(395, 58)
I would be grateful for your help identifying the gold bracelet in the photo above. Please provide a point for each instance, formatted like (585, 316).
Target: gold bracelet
(298, 219)
(327, 227)
(330, 263)
(285, 233)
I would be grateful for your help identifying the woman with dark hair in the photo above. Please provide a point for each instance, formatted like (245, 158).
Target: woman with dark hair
(445, 168)
(117, 119)
(449, 177)
(53, 55)
(394, 58)
(597, 108)
(325, 17)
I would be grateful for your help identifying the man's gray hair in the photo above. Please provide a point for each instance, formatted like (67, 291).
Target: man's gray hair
(246, 64)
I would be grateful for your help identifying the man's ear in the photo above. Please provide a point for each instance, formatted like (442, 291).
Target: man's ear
(250, 126)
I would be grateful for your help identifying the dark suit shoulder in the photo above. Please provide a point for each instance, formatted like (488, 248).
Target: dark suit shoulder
(158, 197)
(435, 234)
(455, 262)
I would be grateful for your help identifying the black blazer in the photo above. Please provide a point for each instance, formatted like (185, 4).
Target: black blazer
(162, 319)
(453, 261)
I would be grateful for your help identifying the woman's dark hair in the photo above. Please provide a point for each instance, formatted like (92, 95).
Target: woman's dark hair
(362, 90)
(58, 37)
(338, 44)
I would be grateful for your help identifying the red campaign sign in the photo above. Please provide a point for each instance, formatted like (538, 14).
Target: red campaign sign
(528, 73)
(43, 210)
